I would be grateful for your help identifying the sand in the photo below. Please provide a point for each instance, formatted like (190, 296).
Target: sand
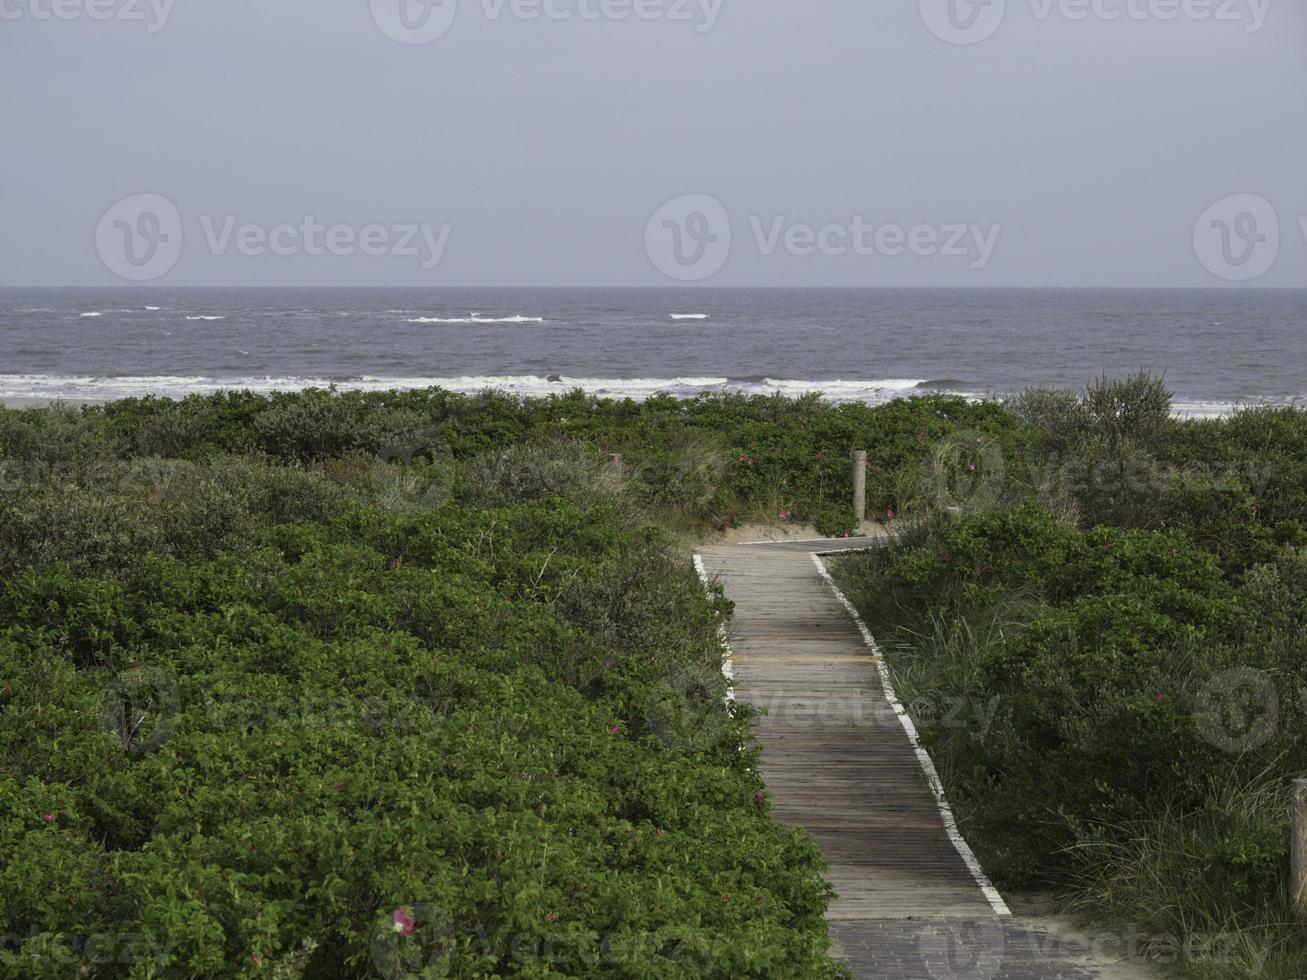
(745, 533)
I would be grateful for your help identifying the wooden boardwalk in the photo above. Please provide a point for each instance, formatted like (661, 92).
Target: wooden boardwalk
(839, 761)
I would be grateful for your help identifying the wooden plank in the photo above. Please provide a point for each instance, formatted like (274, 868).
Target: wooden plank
(839, 764)
(834, 754)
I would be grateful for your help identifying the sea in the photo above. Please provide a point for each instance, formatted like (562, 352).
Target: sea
(1218, 349)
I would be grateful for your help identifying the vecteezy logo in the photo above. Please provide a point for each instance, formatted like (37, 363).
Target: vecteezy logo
(687, 711)
(140, 237)
(963, 21)
(140, 708)
(961, 944)
(1239, 710)
(414, 21)
(689, 237)
(966, 470)
(1238, 237)
(413, 941)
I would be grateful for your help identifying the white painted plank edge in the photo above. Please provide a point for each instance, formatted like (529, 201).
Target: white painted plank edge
(923, 757)
(728, 667)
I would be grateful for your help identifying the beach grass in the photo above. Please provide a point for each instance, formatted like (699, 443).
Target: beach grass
(1117, 625)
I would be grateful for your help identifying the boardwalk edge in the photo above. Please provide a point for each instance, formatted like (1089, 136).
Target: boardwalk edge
(728, 667)
(923, 757)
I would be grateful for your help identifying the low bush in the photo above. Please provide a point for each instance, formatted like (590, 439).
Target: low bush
(346, 717)
(1134, 679)
(706, 462)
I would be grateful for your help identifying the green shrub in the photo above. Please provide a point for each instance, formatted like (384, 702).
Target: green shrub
(359, 717)
(1132, 682)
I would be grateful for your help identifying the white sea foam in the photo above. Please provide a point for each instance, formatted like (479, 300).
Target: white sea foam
(475, 318)
(689, 316)
(870, 391)
(206, 318)
(88, 387)
(879, 384)
(153, 308)
(93, 313)
(1216, 410)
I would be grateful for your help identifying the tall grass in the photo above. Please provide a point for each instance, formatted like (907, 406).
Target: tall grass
(1193, 885)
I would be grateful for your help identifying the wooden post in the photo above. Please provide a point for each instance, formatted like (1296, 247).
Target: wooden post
(1298, 824)
(860, 485)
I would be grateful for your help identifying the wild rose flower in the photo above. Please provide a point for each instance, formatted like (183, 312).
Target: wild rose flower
(615, 730)
(402, 920)
(48, 817)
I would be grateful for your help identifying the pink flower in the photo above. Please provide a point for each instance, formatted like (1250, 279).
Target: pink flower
(615, 730)
(48, 817)
(785, 515)
(890, 513)
(758, 798)
(402, 920)
(1159, 698)
(948, 557)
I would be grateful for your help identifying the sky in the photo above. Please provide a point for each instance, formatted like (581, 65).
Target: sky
(654, 142)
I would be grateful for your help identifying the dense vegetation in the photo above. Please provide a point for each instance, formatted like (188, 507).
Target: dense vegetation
(320, 686)
(417, 684)
(711, 460)
(1122, 610)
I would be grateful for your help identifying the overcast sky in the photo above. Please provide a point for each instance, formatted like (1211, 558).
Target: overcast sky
(842, 142)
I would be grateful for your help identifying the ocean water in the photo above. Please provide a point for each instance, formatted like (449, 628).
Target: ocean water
(1218, 348)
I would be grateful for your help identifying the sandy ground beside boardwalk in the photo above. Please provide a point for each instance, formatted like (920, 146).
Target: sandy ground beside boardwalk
(745, 533)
